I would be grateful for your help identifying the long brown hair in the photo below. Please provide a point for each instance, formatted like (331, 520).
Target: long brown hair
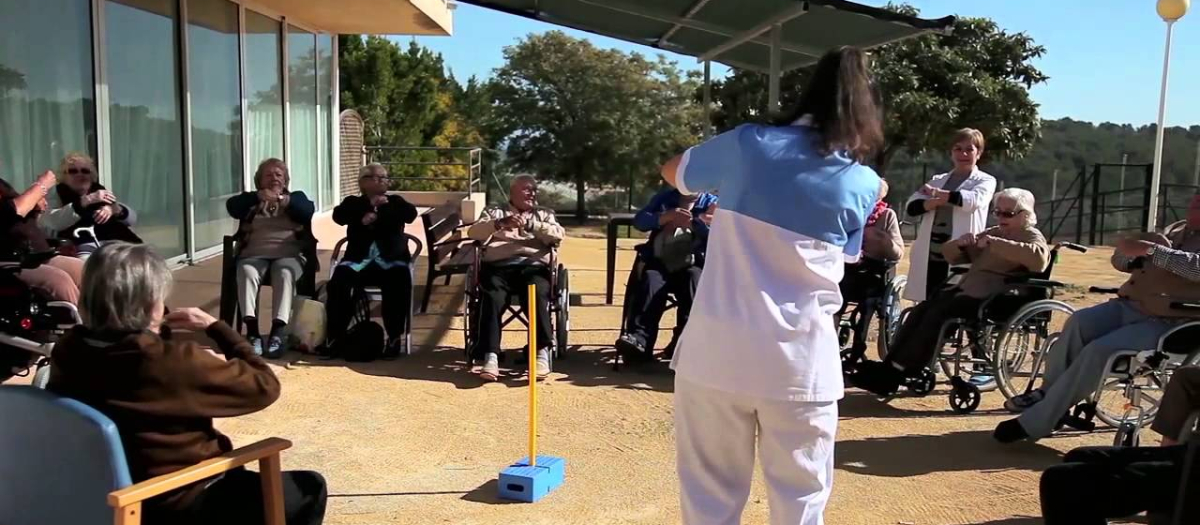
(840, 98)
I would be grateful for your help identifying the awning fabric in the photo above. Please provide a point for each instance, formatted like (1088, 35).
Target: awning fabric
(736, 33)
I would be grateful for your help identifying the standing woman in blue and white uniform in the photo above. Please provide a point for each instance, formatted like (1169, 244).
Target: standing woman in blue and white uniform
(758, 362)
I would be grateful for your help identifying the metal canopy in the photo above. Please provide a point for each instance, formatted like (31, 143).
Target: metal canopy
(737, 33)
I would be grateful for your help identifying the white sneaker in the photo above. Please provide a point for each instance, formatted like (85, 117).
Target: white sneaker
(491, 367)
(543, 363)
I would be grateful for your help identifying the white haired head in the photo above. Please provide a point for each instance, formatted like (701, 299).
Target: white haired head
(1022, 201)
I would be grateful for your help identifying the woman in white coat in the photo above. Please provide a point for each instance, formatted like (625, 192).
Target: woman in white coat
(950, 205)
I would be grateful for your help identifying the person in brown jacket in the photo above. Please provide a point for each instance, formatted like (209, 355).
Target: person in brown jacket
(163, 394)
(866, 278)
(1162, 268)
(1013, 247)
(517, 238)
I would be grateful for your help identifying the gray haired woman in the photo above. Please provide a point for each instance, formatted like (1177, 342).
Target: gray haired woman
(1013, 247)
(163, 394)
(276, 231)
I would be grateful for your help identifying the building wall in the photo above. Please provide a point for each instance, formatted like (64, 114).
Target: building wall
(177, 100)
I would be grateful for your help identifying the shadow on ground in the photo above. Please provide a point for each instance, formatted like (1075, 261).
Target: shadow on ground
(914, 455)
(862, 404)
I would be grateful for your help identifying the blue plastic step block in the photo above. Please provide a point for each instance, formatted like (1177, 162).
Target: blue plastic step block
(521, 482)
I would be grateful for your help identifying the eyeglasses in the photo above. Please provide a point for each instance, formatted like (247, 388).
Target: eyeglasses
(1006, 214)
(377, 177)
(79, 171)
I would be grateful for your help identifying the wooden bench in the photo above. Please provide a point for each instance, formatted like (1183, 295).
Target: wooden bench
(450, 251)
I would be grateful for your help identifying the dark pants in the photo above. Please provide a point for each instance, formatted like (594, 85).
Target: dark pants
(864, 285)
(394, 283)
(496, 284)
(236, 499)
(1096, 483)
(648, 300)
(916, 340)
(935, 276)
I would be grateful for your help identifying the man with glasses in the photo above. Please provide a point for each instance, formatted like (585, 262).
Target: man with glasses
(1162, 269)
(517, 238)
(376, 253)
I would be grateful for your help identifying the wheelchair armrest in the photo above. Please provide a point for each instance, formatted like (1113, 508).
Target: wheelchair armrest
(959, 270)
(1182, 339)
(1185, 305)
(1032, 282)
(1102, 289)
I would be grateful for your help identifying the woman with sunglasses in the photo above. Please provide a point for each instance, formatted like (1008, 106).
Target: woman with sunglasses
(949, 206)
(1013, 247)
(83, 211)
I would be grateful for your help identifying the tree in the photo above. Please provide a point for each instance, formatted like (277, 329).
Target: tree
(406, 98)
(575, 113)
(977, 76)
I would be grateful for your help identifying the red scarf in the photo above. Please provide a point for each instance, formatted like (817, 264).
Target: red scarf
(880, 207)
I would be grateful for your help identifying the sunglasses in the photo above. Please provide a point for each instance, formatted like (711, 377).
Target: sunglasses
(79, 171)
(1007, 214)
(377, 177)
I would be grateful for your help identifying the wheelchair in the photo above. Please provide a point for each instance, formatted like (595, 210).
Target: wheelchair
(30, 323)
(1127, 397)
(363, 295)
(882, 300)
(1005, 338)
(635, 274)
(559, 307)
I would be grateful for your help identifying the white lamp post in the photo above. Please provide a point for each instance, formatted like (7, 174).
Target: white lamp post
(1170, 11)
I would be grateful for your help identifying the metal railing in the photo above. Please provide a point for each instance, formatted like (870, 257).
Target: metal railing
(411, 167)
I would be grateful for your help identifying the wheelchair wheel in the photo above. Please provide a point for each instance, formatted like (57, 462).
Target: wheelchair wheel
(562, 321)
(1021, 344)
(890, 315)
(1128, 435)
(469, 321)
(964, 397)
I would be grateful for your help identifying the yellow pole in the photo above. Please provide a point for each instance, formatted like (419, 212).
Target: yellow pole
(532, 309)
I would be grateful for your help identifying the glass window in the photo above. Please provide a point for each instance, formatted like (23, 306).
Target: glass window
(216, 113)
(325, 112)
(264, 90)
(302, 110)
(47, 107)
(145, 128)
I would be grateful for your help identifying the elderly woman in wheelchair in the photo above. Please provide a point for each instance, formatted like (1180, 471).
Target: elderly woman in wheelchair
(1155, 313)
(870, 286)
(1012, 248)
(669, 263)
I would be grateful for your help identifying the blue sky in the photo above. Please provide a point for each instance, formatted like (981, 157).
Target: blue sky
(1104, 57)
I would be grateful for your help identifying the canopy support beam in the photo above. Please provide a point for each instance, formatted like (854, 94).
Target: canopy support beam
(696, 7)
(752, 34)
(773, 82)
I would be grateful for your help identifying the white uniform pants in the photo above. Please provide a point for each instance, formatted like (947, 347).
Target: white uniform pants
(715, 437)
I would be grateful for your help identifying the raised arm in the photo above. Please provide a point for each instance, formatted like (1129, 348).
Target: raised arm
(1030, 252)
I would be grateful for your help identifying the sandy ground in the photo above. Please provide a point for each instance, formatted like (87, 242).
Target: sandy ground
(420, 440)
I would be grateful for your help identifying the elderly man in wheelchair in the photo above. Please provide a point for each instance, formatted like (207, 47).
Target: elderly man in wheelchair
(1134, 340)
(668, 263)
(518, 243)
(1014, 247)
(870, 287)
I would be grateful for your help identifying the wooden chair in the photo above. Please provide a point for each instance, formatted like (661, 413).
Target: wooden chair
(444, 239)
(64, 463)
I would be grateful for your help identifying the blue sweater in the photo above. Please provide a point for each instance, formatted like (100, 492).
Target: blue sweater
(647, 218)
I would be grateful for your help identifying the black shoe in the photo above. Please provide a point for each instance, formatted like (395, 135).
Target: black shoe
(881, 379)
(394, 349)
(632, 350)
(1010, 431)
